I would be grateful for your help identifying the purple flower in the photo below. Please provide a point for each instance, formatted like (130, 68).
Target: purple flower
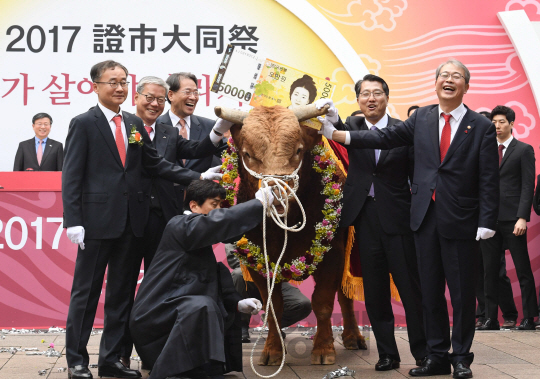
(323, 165)
(317, 158)
(335, 178)
(325, 222)
(286, 273)
(230, 166)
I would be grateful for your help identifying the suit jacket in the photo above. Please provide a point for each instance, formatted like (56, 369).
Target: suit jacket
(99, 193)
(26, 157)
(466, 182)
(517, 171)
(390, 178)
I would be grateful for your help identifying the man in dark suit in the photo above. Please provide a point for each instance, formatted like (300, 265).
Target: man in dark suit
(455, 198)
(377, 202)
(40, 153)
(517, 171)
(106, 206)
(183, 95)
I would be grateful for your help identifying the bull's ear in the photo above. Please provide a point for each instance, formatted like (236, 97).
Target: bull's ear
(236, 134)
(310, 136)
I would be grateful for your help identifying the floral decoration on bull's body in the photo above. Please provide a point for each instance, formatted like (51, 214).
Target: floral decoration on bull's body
(250, 255)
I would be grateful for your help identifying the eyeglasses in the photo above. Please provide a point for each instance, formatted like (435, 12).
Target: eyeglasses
(150, 98)
(367, 94)
(455, 75)
(44, 124)
(189, 93)
(115, 84)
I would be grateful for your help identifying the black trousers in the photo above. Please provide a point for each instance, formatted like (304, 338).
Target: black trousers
(117, 255)
(506, 296)
(382, 254)
(453, 262)
(492, 249)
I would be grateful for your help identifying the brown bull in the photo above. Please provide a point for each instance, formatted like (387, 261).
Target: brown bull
(271, 141)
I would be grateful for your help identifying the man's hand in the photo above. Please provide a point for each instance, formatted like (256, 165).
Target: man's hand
(222, 125)
(250, 305)
(327, 129)
(212, 173)
(521, 227)
(332, 114)
(76, 235)
(265, 196)
(484, 233)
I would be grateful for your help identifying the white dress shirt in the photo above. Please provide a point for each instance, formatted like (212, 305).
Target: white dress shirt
(455, 120)
(109, 116)
(176, 122)
(506, 144)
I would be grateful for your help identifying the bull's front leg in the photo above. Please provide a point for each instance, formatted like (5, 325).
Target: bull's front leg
(272, 353)
(323, 306)
(352, 339)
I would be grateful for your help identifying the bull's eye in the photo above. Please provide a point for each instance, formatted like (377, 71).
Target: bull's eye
(298, 151)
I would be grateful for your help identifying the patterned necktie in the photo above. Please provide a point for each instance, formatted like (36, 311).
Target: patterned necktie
(445, 140)
(377, 153)
(183, 133)
(149, 131)
(120, 145)
(40, 152)
(501, 148)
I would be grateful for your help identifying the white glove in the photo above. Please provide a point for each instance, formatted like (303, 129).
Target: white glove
(222, 125)
(332, 114)
(484, 233)
(251, 305)
(327, 129)
(212, 173)
(265, 196)
(76, 235)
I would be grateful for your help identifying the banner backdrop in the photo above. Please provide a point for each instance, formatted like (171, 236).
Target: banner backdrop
(48, 47)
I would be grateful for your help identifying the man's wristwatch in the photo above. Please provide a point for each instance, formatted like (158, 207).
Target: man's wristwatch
(218, 133)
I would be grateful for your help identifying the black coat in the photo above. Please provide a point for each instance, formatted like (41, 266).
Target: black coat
(177, 321)
(26, 157)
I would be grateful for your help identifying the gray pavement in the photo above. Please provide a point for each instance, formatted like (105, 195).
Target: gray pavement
(502, 354)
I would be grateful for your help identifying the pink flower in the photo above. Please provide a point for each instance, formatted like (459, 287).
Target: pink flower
(51, 345)
(302, 259)
(338, 211)
(327, 201)
(230, 166)
(335, 186)
(317, 158)
(295, 270)
(325, 222)
(328, 234)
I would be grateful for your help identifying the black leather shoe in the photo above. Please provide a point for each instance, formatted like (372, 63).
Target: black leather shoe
(490, 324)
(386, 363)
(126, 361)
(462, 370)
(420, 361)
(245, 335)
(430, 368)
(117, 370)
(79, 372)
(526, 324)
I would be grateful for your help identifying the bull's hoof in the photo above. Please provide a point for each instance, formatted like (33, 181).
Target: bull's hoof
(270, 358)
(352, 342)
(323, 358)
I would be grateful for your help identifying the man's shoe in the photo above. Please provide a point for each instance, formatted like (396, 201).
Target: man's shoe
(490, 324)
(117, 370)
(245, 335)
(420, 361)
(508, 324)
(126, 361)
(526, 324)
(478, 323)
(462, 370)
(79, 372)
(386, 363)
(430, 368)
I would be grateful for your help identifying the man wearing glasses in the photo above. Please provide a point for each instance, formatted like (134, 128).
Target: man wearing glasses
(106, 204)
(183, 95)
(455, 198)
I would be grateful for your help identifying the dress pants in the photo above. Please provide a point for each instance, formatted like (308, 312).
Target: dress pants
(90, 265)
(381, 254)
(453, 262)
(492, 249)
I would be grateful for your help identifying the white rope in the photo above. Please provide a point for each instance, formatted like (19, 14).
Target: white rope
(279, 183)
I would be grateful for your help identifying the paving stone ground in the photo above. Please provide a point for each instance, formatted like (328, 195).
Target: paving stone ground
(502, 354)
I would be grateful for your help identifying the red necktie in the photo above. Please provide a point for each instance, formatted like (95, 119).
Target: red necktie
(40, 152)
(501, 148)
(148, 130)
(445, 140)
(120, 145)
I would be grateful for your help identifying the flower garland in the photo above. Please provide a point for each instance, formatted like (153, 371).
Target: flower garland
(250, 255)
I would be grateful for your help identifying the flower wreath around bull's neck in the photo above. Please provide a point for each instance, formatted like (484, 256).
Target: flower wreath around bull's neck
(250, 255)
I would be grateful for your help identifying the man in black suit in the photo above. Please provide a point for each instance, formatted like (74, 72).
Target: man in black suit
(183, 95)
(517, 171)
(377, 202)
(455, 197)
(40, 153)
(106, 204)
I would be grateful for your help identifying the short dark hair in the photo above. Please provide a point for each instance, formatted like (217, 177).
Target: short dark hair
(98, 69)
(486, 113)
(411, 109)
(306, 82)
(202, 190)
(505, 111)
(41, 115)
(371, 78)
(174, 81)
(357, 112)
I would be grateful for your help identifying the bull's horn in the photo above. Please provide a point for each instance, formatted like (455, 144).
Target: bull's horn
(233, 115)
(305, 112)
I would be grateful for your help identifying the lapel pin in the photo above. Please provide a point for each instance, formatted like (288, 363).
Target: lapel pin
(164, 137)
(468, 127)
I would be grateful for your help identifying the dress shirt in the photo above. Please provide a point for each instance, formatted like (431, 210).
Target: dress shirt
(153, 132)
(43, 146)
(176, 122)
(109, 116)
(506, 144)
(455, 120)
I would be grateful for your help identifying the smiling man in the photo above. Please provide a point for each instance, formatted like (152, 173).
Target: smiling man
(40, 153)
(455, 201)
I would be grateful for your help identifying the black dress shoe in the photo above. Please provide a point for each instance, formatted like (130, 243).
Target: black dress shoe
(490, 324)
(126, 361)
(386, 363)
(462, 370)
(420, 361)
(117, 370)
(526, 324)
(245, 335)
(79, 372)
(430, 368)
